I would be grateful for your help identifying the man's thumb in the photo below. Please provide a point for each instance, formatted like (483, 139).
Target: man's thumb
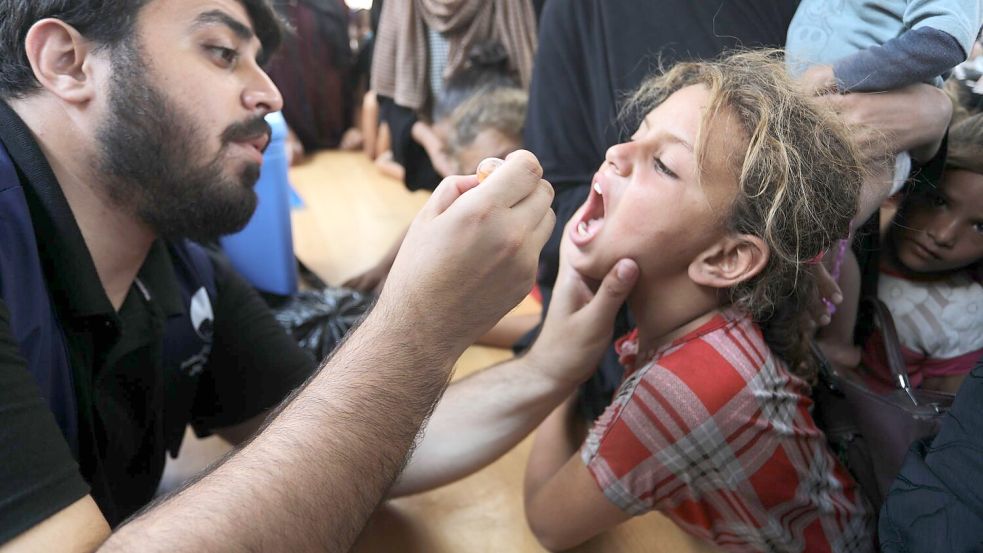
(614, 289)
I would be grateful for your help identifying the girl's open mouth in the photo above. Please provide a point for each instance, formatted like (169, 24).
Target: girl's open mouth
(592, 219)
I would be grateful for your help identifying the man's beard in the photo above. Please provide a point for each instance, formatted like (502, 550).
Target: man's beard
(150, 152)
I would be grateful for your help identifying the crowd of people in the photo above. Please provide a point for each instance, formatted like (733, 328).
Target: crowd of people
(705, 195)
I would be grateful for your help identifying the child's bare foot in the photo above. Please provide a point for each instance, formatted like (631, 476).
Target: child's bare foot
(351, 140)
(388, 166)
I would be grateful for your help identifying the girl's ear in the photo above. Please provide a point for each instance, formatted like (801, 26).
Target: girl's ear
(731, 260)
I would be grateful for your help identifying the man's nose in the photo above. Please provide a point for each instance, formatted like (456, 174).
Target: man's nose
(262, 95)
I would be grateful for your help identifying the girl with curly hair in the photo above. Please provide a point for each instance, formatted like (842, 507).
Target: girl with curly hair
(731, 187)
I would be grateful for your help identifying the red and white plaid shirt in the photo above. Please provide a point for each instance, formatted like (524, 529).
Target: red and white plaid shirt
(715, 433)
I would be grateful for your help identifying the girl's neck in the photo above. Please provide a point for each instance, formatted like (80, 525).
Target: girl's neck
(666, 311)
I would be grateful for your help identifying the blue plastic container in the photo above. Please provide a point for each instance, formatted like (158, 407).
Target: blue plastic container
(263, 252)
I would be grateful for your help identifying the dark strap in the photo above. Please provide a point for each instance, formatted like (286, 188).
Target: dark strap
(892, 345)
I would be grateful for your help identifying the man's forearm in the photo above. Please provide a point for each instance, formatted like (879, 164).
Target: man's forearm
(479, 419)
(312, 478)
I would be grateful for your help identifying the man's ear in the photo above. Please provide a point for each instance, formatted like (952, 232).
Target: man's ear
(60, 58)
(731, 260)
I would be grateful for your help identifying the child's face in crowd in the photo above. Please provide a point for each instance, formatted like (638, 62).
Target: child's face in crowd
(649, 200)
(489, 143)
(942, 229)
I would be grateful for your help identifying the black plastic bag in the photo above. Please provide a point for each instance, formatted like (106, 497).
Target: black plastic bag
(319, 319)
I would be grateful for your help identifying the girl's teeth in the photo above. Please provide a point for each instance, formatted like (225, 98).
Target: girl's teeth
(582, 228)
(597, 188)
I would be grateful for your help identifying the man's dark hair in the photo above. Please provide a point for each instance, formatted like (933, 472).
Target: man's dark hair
(105, 22)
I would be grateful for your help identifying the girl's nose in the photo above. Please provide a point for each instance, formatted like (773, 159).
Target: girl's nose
(619, 158)
(943, 231)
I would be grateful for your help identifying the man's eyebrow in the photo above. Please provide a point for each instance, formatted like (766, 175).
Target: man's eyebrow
(221, 18)
(244, 32)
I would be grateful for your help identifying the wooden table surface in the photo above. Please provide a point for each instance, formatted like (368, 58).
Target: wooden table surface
(351, 216)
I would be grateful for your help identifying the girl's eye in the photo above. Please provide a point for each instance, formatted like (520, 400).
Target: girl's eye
(938, 200)
(978, 227)
(225, 56)
(661, 167)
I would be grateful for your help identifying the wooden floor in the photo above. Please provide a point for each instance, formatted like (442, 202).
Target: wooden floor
(352, 215)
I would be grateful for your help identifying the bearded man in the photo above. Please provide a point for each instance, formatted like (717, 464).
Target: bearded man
(128, 128)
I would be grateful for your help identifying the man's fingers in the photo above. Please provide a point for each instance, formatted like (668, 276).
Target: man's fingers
(448, 191)
(530, 210)
(614, 290)
(487, 167)
(541, 234)
(514, 180)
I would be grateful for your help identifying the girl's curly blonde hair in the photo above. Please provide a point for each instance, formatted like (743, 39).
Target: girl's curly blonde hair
(798, 182)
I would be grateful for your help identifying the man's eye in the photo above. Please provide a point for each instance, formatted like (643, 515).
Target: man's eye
(978, 227)
(661, 167)
(226, 56)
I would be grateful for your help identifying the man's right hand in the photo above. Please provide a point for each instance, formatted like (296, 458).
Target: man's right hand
(471, 254)
(580, 321)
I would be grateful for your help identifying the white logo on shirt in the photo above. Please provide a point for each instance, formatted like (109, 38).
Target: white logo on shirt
(201, 314)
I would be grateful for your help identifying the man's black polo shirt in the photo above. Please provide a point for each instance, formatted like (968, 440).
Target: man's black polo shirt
(116, 358)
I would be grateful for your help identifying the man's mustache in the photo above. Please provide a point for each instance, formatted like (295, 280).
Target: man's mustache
(247, 130)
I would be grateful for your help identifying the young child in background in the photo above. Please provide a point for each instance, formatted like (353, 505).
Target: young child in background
(732, 183)
(840, 46)
(931, 275)
(484, 96)
(486, 123)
